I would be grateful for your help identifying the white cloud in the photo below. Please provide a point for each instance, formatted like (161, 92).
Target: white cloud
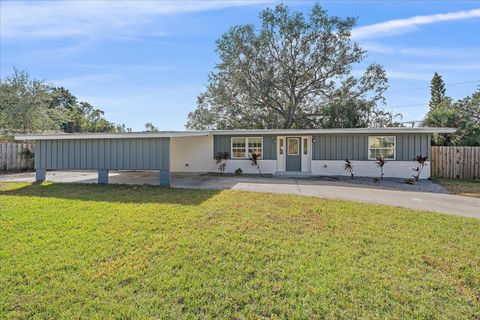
(399, 26)
(88, 79)
(145, 96)
(43, 19)
(458, 52)
(444, 66)
(408, 75)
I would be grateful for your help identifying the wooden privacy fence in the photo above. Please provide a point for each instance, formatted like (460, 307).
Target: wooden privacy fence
(455, 162)
(13, 157)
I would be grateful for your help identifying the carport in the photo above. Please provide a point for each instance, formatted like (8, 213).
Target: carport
(103, 152)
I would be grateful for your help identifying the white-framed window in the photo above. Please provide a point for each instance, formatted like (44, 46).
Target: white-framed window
(239, 147)
(243, 147)
(255, 145)
(379, 146)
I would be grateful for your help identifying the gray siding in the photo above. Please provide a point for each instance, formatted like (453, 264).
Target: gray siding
(342, 146)
(95, 154)
(223, 143)
(354, 147)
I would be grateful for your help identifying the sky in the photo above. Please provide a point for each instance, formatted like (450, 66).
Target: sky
(147, 61)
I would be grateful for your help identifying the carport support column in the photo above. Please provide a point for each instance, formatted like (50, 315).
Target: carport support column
(165, 178)
(103, 176)
(40, 175)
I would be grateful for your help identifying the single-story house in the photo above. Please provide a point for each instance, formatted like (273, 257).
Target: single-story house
(282, 151)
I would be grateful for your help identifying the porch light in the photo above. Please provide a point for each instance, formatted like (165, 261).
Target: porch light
(313, 140)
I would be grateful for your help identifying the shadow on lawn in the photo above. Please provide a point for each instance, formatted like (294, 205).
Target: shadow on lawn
(111, 193)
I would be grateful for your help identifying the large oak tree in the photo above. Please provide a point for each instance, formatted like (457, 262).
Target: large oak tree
(289, 73)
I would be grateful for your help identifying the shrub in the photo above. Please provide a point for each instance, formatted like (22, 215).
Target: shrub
(221, 160)
(254, 162)
(410, 181)
(380, 163)
(238, 172)
(420, 165)
(27, 154)
(348, 166)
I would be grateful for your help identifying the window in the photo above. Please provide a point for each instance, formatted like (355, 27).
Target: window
(281, 146)
(243, 147)
(305, 144)
(293, 146)
(381, 146)
(255, 147)
(238, 147)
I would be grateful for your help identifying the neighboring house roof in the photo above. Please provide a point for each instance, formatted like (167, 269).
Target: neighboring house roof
(174, 134)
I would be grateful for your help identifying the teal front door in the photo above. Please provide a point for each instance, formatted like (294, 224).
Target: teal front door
(294, 155)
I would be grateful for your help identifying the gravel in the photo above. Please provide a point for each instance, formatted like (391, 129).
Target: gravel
(393, 183)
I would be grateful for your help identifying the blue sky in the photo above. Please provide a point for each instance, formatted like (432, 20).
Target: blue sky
(147, 61)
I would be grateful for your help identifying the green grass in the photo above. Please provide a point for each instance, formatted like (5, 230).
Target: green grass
(89, 251)
(469, 188)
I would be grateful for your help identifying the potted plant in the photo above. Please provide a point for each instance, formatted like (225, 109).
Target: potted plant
(381, 163)
(421, 163)
(348, 166)
(254, 162)
(221, 160)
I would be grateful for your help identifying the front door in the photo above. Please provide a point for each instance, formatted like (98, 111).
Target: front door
(294, 155)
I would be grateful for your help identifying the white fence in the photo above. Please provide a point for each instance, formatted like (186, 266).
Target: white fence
(13, 156)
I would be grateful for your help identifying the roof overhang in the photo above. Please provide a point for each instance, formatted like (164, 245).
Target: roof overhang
(390, 130)
(178, 134)
(120, 135)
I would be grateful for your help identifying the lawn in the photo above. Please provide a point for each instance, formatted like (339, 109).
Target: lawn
(90, 251)
(470, 188)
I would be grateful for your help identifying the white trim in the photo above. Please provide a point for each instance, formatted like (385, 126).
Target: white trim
(170, 134)
(281, 158)
(296, 132)
(394, 147)
(246, 148)
(121, 135)
(307, 158)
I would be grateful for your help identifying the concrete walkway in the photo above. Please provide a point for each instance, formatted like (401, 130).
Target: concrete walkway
(444, 203)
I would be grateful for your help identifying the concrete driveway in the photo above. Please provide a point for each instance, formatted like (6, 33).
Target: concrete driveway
(444, 203)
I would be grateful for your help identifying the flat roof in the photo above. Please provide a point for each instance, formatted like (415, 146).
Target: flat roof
(198, 133)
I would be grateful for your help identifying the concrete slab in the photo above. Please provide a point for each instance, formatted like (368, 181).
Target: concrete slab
(115, 177)
(444, 203)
